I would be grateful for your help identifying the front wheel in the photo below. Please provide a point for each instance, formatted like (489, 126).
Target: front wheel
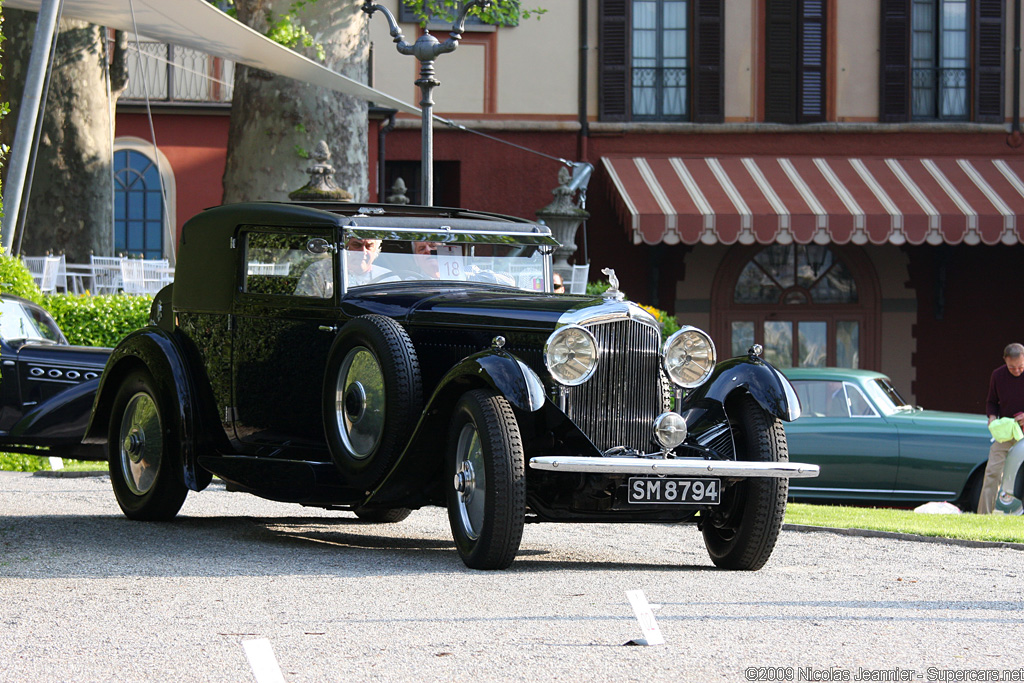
(486, 480)
(741, 533)
(144, 459)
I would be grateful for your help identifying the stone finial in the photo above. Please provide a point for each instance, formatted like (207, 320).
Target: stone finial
(397, 193)
(563, 216)
(321, 186)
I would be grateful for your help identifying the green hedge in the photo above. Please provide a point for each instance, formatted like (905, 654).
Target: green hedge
(97, 320)
(15, 279)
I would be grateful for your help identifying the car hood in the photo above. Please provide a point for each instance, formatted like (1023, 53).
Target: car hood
(476, 307)
(941, 419)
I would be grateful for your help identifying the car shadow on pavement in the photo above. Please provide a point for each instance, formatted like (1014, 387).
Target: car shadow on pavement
(97, 546)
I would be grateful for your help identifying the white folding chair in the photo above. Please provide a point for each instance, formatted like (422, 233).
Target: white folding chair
(45, 270)
(106, 274)
(153, 272)
(133, 276)
(35, 265)
(62, 273)
(578, 283)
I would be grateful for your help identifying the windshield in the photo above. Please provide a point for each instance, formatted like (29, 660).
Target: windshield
(370, 261)
(886, 396)
(19, 321)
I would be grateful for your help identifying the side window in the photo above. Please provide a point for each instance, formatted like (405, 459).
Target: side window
(821, 398)
(859, 405)
(282, 264)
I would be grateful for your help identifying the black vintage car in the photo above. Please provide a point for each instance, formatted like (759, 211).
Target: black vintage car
(47, 386)
(383, 358)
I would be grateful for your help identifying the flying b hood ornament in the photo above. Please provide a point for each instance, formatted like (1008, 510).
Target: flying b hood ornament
(612, 293)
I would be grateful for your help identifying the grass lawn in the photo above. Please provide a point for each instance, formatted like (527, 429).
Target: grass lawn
(965, 526)
(18, 462)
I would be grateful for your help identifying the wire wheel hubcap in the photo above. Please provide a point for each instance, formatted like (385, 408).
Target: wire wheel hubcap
(360, 402)
(470, 481)
(142, 446)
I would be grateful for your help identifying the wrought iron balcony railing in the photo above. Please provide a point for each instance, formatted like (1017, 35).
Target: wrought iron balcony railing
(940, 93)
(176, 74)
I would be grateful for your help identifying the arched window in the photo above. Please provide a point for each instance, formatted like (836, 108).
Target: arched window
(808, 305)
(138, 205)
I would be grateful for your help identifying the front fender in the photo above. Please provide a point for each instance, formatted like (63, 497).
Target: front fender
(156, 351)
(423, 457)
(496, 369)
(760, 379)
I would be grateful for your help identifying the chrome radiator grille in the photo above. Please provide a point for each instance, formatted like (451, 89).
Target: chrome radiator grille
(617, 406)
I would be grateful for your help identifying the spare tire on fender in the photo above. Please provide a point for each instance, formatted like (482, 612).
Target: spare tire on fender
(373, 397)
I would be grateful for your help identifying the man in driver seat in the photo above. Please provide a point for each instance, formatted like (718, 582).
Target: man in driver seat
(318, 278)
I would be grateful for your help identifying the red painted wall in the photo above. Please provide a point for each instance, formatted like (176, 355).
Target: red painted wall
(196, 147)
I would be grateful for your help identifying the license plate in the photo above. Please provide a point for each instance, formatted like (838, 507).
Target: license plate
(703, 491)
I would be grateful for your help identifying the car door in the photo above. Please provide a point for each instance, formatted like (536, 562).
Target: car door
(284, 323)
(841, 431)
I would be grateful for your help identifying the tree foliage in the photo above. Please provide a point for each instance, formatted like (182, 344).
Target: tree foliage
(287, 29)
(499, 12)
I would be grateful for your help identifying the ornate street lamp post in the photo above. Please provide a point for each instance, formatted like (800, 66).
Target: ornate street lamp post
(427, 48)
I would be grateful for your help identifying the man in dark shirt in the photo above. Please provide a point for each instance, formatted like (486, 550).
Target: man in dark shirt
(1005, 399)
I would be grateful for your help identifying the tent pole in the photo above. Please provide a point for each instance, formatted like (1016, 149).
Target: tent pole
(28, 113)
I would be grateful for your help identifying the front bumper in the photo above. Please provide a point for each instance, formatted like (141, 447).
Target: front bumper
(675, 466)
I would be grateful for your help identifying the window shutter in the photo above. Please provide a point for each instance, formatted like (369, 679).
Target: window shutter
(780, 61)
(613, 83)
(988, 61)
(894, 85)
(708, 37)
(811, 69)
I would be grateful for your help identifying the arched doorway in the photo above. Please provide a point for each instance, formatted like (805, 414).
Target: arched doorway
(808, 305)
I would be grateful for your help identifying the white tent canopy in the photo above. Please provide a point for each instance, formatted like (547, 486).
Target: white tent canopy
(189, 23)
(201, 26)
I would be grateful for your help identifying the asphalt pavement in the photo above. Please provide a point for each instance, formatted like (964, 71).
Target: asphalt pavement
(87, 595)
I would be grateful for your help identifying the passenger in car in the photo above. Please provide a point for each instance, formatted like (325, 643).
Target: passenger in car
(425, 255)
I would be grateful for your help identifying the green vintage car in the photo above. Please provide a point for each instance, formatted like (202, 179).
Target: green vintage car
(875, 448)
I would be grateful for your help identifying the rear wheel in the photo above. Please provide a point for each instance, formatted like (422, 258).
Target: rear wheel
(486, 480)
(972, 492)
(741, 533)
(144, 457)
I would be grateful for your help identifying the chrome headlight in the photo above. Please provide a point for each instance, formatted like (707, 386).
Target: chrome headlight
(670, 430)
(570, 354)
(689, 357)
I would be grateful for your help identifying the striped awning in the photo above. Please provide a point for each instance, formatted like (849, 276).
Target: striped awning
(867, 200)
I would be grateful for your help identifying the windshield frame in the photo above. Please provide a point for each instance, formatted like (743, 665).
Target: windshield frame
(541, 244)
(32, 320)
(885, 396)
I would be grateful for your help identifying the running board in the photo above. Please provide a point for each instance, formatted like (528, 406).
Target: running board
(674, 466)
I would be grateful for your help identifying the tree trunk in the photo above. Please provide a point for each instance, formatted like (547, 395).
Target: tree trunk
(70, 210)
(276, 122)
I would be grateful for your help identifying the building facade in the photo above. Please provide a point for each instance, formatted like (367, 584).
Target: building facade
(842, 182)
